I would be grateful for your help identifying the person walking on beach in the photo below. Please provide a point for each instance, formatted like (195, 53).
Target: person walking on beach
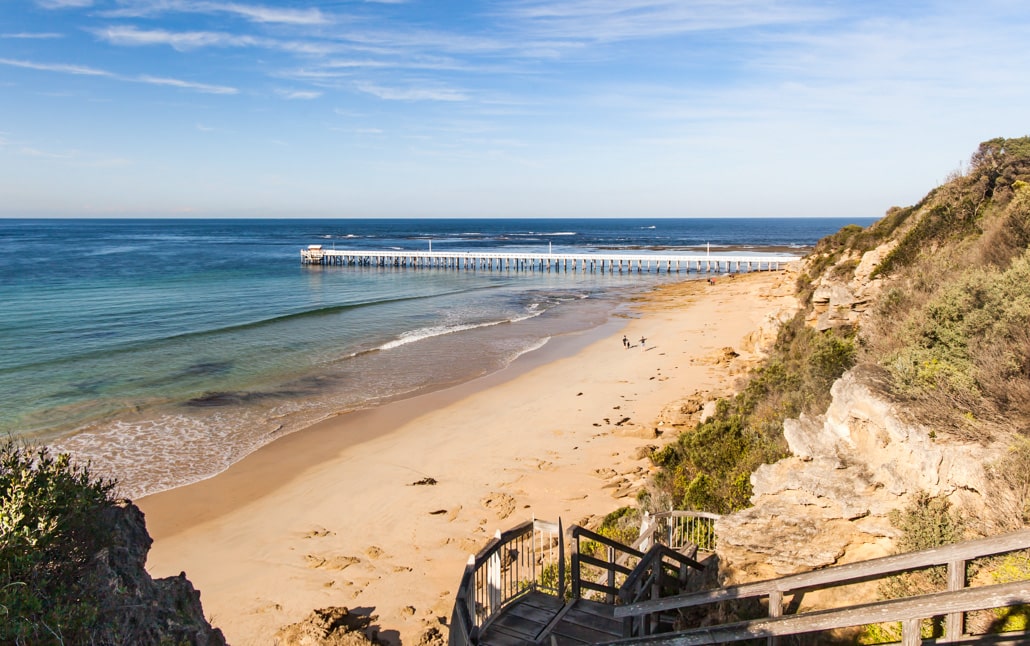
(642, 341)
(625, 342)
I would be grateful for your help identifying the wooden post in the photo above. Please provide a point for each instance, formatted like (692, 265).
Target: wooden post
(954, 627)
(611, 574)
(493, 580)
(910, 633)
(775, 610)
(575, 569)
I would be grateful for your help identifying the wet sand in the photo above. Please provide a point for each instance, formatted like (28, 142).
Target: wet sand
(330, 516)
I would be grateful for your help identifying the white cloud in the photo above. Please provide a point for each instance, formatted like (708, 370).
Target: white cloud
(61, 4)
(614, 20)
(186, 85)
(181, 41)
(412, 93)
(32, 36)
(82, 70)
(253, 13)
(298, 94)
(271, 14)
(78, 70)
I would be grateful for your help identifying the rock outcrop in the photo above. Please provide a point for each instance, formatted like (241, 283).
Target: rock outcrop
(335, 626)
(842, 297)
(135, 608)
(830, 502)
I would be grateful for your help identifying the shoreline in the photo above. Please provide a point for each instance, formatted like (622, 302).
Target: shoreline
(330, 516)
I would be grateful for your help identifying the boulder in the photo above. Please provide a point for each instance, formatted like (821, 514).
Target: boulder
(850, 468)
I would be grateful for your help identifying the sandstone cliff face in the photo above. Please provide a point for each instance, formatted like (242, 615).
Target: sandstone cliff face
(135, 608)
(841, 300)
(829, 503)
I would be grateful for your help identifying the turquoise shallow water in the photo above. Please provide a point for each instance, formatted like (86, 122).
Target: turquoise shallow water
(166, 350)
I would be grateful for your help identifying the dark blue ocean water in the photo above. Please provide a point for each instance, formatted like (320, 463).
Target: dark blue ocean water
(165, 350)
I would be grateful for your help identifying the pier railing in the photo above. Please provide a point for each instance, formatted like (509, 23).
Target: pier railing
(547, 262)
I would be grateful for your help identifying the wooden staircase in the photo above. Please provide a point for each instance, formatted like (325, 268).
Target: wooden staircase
(618, 595)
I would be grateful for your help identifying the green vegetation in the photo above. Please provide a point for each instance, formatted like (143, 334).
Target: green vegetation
(622, 525)
(709, 468)
(969, 340)
(950, 335)
(49, 529)
(957, 210)
(926, 523)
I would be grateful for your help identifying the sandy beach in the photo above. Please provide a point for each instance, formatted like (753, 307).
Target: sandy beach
(330, 516)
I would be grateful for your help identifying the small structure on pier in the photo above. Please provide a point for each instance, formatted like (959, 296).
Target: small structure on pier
(521, 589)
(546, 262)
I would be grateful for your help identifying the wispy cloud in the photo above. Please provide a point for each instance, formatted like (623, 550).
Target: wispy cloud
(82, 70)
(615, 20)
(32, 36)
(298, 94)
(412, 93)
(63, 68)
(186, 85)
(61, 4)
(182, 40)
(192, 40)
(253, 13)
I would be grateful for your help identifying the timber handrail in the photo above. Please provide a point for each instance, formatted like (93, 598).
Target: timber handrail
(660, 570)
(953, 556)
(611, 567)
(909, 611)
(512, 564)
(678, 528)
(842, 574)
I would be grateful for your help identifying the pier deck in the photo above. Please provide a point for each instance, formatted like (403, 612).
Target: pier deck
(546, 262)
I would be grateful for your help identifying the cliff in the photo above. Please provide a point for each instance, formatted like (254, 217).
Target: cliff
(133, 607)
(936, 405)
(72, 562)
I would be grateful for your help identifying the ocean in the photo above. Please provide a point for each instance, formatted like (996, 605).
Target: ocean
(163, 351)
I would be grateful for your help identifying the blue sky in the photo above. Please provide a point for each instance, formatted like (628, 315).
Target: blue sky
(520, 108)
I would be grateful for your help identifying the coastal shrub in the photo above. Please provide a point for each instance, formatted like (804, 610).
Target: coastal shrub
(49, 512)
(927, 522)
(622, 525)
(709, 468)
(956, 209)
(1008, 568)
(970, 340)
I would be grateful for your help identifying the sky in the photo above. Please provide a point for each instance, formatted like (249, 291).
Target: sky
(483, 108)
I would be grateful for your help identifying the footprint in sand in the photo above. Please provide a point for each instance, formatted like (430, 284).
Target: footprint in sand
(330, 562)
(319, 532)
(500, 503)
(373, 552)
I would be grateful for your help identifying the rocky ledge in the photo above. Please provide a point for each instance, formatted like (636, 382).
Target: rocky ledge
(134, 607)
(830, 502)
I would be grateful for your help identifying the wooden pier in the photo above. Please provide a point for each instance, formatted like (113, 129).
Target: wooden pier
(611, 263)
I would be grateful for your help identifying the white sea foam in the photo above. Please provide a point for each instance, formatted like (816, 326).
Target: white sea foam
(436, 330)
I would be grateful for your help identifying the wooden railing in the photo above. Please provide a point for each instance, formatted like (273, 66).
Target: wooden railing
(678, 529)
(528, 557)
(608, 573)
(951, 604)
(660, 573)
